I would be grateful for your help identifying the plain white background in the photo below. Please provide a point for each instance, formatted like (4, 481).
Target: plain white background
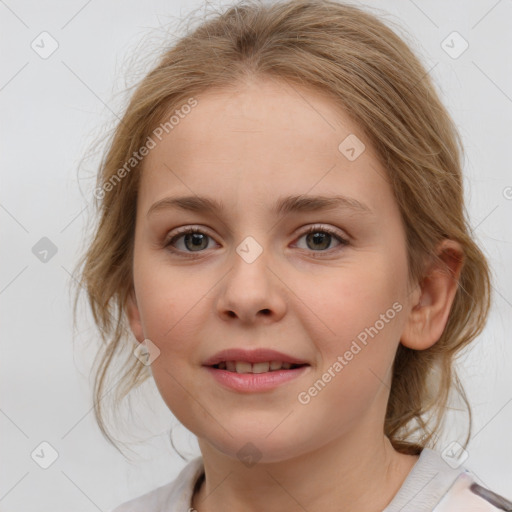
(52, 108)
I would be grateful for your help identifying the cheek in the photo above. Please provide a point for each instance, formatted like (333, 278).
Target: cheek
(356, 361)
(169, 300)
(178, 390)
(349, 300)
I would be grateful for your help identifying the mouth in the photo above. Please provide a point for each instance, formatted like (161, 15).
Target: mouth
(255, 377)
(260, 367)
(255, 371)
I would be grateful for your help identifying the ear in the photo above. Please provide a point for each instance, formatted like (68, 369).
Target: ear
(133, 314)
(433, 300)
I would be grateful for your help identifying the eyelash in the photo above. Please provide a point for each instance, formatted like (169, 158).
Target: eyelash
(313, 229)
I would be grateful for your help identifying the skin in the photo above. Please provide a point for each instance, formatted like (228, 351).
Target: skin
(247, 147)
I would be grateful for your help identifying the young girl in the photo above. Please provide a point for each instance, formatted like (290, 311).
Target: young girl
(282, 228)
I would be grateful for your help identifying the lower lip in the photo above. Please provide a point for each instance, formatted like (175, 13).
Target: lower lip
(254, 382)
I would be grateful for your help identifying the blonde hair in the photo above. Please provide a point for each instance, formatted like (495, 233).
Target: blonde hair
(369, 72)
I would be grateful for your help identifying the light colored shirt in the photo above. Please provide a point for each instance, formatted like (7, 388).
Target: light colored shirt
(431, 486)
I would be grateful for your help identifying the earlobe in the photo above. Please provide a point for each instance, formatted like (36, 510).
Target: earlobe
(133, 314)
(429, 313)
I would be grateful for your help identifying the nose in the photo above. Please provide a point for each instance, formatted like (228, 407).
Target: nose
(252, 292)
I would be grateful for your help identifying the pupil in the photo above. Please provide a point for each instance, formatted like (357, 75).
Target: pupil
(196, 239)
(319, 238)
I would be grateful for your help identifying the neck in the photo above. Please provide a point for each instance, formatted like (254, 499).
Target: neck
(343, 475)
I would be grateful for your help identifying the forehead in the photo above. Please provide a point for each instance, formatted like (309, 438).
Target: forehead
(260, 140)
(261, 111)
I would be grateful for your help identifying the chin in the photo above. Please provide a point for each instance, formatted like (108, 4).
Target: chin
(251, 449)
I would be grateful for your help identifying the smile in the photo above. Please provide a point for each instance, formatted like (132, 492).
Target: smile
(262, 367)
(245, 377)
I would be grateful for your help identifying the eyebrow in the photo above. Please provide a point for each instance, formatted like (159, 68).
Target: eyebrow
(282, 206)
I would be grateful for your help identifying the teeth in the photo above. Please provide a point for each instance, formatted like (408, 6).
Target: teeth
(245, 367)
(260, 367)
(275, 365)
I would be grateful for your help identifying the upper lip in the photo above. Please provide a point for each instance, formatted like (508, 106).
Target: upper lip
(259, 355)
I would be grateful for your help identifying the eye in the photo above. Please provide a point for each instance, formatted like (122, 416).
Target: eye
(320, 237)
(193, 240)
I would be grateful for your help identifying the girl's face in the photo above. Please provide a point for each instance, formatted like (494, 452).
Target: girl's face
(252, 277)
